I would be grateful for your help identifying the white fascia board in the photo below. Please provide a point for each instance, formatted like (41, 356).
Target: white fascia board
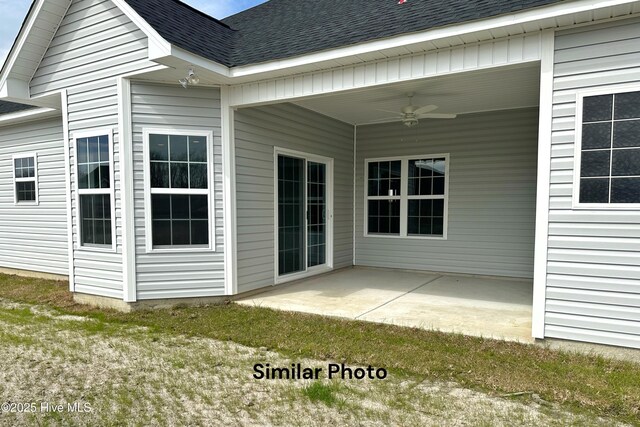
(27, 115)
(527, 16)
(199, 61)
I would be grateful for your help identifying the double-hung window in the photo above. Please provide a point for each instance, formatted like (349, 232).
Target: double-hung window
(179, 170)
(94, 162)
(25, 178)
(407, 197)
(608, 149)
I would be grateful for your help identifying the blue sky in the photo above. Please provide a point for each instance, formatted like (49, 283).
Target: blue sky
(14, 11)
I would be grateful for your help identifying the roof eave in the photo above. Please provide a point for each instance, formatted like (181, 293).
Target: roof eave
(525, 17)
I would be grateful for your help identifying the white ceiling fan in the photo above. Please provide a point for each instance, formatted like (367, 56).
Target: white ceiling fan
(410, 115)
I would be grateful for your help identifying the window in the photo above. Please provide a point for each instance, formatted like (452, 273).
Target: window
(25, 178)
(94, 184)
(179, 177)
(407, 197)
(384, 197)
(609, 144)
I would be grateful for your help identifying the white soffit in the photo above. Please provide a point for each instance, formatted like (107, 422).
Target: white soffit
(486, 90)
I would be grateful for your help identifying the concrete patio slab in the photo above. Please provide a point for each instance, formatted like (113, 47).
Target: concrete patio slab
(344, 293)
(492, 308)
(479, 306)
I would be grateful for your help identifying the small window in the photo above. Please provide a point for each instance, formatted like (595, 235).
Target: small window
(25, 177)
(609, 172)
(179, 176)
(94, 166)
(407, 197)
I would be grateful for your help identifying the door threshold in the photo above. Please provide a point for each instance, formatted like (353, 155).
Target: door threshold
(297, 276)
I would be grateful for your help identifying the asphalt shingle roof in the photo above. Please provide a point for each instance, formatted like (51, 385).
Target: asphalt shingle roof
(280, 29)
(11, 107)
(188, 28)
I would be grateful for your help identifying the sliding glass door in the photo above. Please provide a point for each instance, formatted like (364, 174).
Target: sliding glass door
(302, 214)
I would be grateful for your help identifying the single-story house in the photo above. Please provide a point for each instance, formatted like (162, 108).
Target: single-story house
(150, 152)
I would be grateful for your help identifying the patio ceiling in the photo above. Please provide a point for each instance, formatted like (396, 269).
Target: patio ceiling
(470, 92)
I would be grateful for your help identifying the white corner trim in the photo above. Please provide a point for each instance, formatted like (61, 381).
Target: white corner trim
(543, 183)
(355, 193)
(229, 192)
(126, 184)
(67, 180)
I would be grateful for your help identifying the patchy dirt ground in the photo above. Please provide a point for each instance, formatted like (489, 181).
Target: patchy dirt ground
(122, 375)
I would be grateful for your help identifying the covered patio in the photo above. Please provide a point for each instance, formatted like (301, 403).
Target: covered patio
(472, 305)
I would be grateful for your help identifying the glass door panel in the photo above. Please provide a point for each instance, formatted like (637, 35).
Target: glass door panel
(291, 215)
(316, 214)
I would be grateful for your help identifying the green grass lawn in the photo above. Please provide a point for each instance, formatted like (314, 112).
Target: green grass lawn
(580, 383)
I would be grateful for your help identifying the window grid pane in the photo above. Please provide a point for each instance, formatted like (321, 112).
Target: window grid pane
(26, 191)
(25, 167)
(610, 157)
(93, 162)
(180, 220)
(178, 162)
(95, 219)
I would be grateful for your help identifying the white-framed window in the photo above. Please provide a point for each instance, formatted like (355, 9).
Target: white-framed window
(94, 186)
(407, 196)
(25, 178)
(607, 157)
(179, 189)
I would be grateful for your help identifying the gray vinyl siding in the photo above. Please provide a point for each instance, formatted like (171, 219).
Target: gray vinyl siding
(95, 41)
(94, 44)
(492, 193)
(593, 284)
(257, 132)
(177, 274)
(34, 237)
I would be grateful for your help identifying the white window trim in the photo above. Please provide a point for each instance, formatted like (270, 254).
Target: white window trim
(577, 156)
(148, 219)
(318, 269)
(33, 179)
(404, 197)
(88, 191)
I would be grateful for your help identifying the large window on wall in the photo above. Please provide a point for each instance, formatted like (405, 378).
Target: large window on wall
(25, 178)
(407, 197)
(94, 183)
(608, 141)
(179, 177)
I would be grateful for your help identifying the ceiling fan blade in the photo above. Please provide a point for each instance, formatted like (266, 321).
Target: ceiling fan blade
(386, 120)
(438, 116)
(426, 109)
(388, 111)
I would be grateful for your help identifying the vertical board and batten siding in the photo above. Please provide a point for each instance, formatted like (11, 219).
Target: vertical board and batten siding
(94, 44)
(593, 283)
(34, 237)
(492, 193)
(186, 274)
(257, 132)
